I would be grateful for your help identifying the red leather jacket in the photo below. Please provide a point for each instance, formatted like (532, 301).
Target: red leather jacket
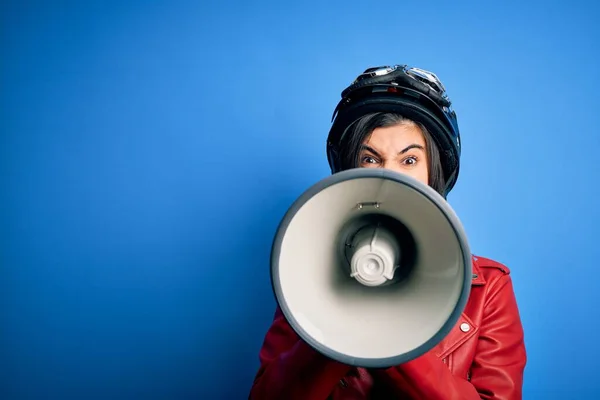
(483, 357)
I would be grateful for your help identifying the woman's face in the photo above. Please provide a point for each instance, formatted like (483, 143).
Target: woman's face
(400, 148)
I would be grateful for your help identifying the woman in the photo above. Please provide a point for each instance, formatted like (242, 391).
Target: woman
(400, 118)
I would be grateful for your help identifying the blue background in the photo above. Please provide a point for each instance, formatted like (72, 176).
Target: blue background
(149, 149)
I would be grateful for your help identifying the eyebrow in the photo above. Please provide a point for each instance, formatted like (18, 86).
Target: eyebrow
(404, 150)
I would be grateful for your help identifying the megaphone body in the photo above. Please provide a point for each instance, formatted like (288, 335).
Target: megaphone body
(371, 267)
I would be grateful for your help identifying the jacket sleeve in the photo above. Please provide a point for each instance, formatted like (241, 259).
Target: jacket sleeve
(498, 365)
(292, 370)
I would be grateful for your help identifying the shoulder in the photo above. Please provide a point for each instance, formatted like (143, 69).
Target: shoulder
(489, 267)
(492, 273)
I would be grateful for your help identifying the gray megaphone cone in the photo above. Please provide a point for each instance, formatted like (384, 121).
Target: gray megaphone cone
(371, 268)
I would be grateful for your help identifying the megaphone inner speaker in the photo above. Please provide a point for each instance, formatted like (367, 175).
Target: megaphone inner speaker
(371, 268)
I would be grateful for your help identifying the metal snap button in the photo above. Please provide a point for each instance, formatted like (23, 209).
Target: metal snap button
(475, 276)
(464, 327)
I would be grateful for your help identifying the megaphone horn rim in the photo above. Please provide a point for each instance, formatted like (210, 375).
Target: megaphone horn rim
(430, 194)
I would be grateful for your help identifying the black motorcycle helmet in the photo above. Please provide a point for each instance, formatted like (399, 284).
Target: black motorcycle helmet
(412, 92)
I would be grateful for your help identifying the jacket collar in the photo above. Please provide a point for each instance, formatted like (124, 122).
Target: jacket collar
(477, 277)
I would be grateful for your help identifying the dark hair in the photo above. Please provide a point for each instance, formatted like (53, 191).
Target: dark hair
(356, 134)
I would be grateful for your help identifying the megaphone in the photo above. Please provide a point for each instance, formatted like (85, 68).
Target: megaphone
(371, 267)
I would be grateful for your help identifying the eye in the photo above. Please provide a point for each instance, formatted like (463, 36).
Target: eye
(410, 160)
(368, 160)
